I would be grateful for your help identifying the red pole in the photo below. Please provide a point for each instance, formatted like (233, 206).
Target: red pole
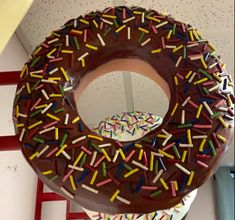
(9, 77)
(9, 143)
(38, 205)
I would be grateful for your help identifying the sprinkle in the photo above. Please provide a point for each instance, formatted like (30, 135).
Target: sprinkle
(166, 154)
(76, 168)
(157, 176)
(183, 117)
(84, 21)
(156, 51)
(186, 145)
(128, 19)
(83, 56)
(176, 152)
(95, 137)
(200, 163)
(176, 80)
(61, 150)
(139, 165)
(177, 48)
(145, 42)
(190, 178)
(45, 94)
(199, 136)
(122, 154)
(199, 111)
(78, 158)
(91, 47)
(90, 189)
(48, 172)
(161, 24)
(129, 33)
(106, 21)
(192, 77)
(33, 156)
(22, 134)
(52, 117)
(210, 143)
(114, 196)
(200, 81)
(164, 183)
(34, 125)
(78, 139)
(223, 139)
(120, 28)
(178, 61)
(182, 169)
(115, 156)
(184, 156)
(94, 177)
(93, 158)
(77, 118)
(66, 119)
(66, 192)
(121, 199)
(174, 109)
(223, 122)
(104, 182)
(186, 101)
(23, 71)
(47, 108)
(143, 30)
(131, 172)
(151, 162)
(43, 151)
(101, 39)
(156, 193)
(106, 155)
(105, 145)
(208, 108)
(72, 182)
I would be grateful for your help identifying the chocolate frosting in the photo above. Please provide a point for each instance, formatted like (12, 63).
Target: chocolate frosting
(186, 150)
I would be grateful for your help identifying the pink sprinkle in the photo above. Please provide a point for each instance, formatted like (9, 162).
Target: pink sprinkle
(50, 124)
(202, 126)
(149, 187)
(124, 14)
(103, 182)
(36, 103)
(145, 159)
(219, 103)
(193, 104)
(208, 83)
(107, 10)
(56, 60)
(118, 143)
(67, 175)
(163, 43)
(203, 156)
(45, 45)
(180, 76)
(173, 193)
(86, 150)
(130, 156)
(85, 35)
(52, 152)
(39, 87)
(101, 25)
(150, 25)
(200, 163)
(168, 146)
(99, 161)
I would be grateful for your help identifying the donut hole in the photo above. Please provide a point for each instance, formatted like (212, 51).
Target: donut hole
(111, 90)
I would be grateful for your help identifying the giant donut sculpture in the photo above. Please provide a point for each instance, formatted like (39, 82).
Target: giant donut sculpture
(151, 173)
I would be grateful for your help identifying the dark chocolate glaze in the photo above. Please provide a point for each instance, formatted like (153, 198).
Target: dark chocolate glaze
(118, 46)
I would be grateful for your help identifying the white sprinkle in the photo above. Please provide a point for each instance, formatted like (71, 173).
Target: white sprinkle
(83, 56)
(66, 155)
(145, 42)
(93, 158)
(53, 40)
(45, 109)
(166, 140)
(90, 189)
(128, 19)
(46, 130)
(75, 168)
(106, 21)
(121, 199)
(78, 139)
(75, 23)
(20, 90)
(115, 156)
(199, 137)
(178, 61)
(43, 151)
(208, 108)
(66, 192)
(212, 65)
(45, 94)
(37, 71)
(157, 154)
(48, 81)
(142, 17)
(67, 89)
(183, 117)
(195, 57)
(105, 145)
(53, 71)
(192, 77)
(129, 33)
(66, 119)
(192, 45)
(66, 40)
(161, 24)
(139, 165)
(22, 134)
(165, 132)
(186, 145)
(157, 176)
(224, 109)
(182, 169)
(22, 115)
(101, 40)
(214, 88)
(170, 46)
(186, 101)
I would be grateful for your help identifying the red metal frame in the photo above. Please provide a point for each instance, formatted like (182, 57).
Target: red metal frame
(9, 143)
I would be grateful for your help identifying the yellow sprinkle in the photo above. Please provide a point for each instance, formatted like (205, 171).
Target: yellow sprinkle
(191, 35)
(162, 136)
(52, 117)
(122, 154)
(54, 78)
(76, 119)
(137, 12)
(19, 125)
(65, 74)
(55, 95)
(33, 156)
(56, 133)
(114, 195)
(95, 23)
(67, 51)
(174, 109)
(204, 63)
(77, 31)
(35, 76)
(138, 145)
(200, 81)
(202, 144)
(156, 51)
(17, 111)
(230, 103)
(47, 172)
(140, 154)
(199, 110)
(51, 52)
(211, 47)
(176, 80)
(189, 136)
(223, 139)
(190, 178)
(169, 35)
(176, 185)
(120, 28)
(23, 71)
(94, 177)
(106, 155)
(41, 106)
(164, 183)
(166, 154)
(223, 122)
(154, 19)
(151, 162)
(60, 150)
(178, 48)
(109, 16)
(223, 65)
(217, 77)
(188, 74)
(131, 172)
(78, 158)
(184, 156)
(83, 62)
(91, 47)
(37, 50)
(143, 30)
(34, 125)
(72, 182)
(84, 21)
(95, 137)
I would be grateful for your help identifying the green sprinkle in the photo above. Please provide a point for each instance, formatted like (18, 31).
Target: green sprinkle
(35, 113)
(205, 90)
(83, 160)
(35, 61)
(141, 37)
(55, 34)
(173, 29)
(156, 167)
(176, 152)
(104, 169)
(59, 110)
(40, 140)
(54, 178)
(205, 73)
(96, 148)
(217, 114)
(184, 52)
(63, 140)
(76, 43)
(156, 193)
(149, 14)
(127, 167)
(115, 23)
(36, 84)
(189, 125)
(212, 147)
(107, 31)
(61, 90)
